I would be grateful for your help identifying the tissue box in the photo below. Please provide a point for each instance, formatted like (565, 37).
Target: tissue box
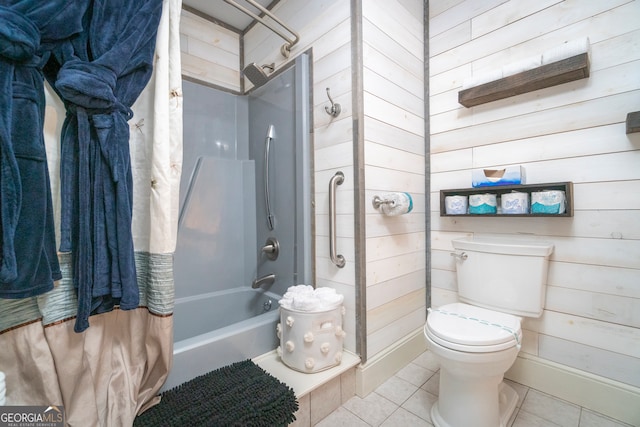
(512, 175)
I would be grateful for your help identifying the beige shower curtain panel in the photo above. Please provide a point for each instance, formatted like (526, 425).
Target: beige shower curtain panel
(107, 374)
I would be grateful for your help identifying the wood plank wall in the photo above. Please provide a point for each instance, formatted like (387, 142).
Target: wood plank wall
(210, 52)
(394, 160)
(573, 132)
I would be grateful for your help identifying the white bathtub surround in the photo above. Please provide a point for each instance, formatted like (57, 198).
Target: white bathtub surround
(200, 332)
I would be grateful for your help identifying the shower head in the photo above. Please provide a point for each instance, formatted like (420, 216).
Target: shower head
(256, 74)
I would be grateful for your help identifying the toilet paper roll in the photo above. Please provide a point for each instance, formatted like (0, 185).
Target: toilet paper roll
(515, 203)
(548, 202)
(396, 203)
(482, 204)
(456, 205)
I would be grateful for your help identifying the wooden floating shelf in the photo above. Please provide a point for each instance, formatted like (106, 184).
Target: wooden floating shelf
(633, 122)
(498, 190)
(553, 74)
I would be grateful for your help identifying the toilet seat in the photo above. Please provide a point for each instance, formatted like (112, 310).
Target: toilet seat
(472, 329)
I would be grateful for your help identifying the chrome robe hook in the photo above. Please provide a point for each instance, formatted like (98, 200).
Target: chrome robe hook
(335, 107)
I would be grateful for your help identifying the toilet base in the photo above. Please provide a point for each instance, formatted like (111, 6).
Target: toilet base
(507, 400)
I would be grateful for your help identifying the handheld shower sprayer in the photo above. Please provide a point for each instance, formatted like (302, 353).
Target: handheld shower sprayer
(271, 134)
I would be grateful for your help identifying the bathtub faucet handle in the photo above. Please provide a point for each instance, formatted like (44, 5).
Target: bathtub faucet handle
(271, 248)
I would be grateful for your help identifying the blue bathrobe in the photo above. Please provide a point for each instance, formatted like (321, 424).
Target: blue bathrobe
(98, 56)
(29, 262)
(99, 73)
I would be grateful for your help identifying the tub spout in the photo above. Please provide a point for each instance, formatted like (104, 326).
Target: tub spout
(264, 280)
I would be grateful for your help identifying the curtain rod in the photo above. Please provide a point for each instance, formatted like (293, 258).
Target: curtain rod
(286, 48)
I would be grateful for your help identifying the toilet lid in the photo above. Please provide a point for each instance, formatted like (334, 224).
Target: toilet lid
(469, 325)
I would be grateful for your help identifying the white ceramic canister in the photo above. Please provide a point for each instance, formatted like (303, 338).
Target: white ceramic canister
(311, 341)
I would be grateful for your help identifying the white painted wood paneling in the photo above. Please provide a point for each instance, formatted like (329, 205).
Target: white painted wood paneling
(210, 52)
(387, 246)
(618, 338)
(561, 15)
(591, 359)
(400, 306)
(594, 305)
(599, 224)
(601, 27)
(458, 14)
(450, 38)
(380, 294)
(583, 115)
(506, 14)
(380, 133)
(394, 160)
(394, 331)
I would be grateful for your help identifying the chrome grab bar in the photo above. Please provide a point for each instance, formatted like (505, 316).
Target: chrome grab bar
(335, 180)
(270, 136)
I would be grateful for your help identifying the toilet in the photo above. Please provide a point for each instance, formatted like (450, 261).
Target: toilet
(477, 339)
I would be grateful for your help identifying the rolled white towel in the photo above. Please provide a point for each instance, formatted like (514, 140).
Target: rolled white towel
(305, 303)
(324, 291)
(331, 301)
(566, 50)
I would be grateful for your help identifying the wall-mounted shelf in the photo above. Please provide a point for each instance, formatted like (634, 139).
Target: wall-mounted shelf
(559, 72)
(633, 122)
(498, 190)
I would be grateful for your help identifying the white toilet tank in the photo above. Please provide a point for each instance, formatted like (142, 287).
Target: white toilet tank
(507, 275)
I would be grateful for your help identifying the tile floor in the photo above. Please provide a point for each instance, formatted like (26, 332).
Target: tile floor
(405, 400)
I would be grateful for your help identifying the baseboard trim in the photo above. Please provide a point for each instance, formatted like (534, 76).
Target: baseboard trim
(608, 397)
(385, 364)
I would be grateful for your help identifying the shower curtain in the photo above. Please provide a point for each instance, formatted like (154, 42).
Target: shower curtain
(106, 374)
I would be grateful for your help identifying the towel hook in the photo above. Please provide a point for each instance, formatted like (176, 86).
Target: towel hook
(335, 107)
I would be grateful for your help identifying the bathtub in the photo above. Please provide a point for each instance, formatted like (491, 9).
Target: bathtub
(206, 339)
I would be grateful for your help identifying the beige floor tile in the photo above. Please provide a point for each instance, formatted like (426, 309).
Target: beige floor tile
(403, 418)
(396, 390)
(373, 409)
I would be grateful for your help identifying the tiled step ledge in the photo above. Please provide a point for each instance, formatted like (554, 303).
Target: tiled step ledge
(302, 383)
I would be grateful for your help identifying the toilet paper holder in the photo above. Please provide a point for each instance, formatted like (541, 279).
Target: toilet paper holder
(379, 201)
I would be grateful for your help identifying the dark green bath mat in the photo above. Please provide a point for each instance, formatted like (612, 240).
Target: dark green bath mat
(241, 394)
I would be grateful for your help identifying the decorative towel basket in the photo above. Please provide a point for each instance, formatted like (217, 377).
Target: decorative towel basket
(311, 341)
